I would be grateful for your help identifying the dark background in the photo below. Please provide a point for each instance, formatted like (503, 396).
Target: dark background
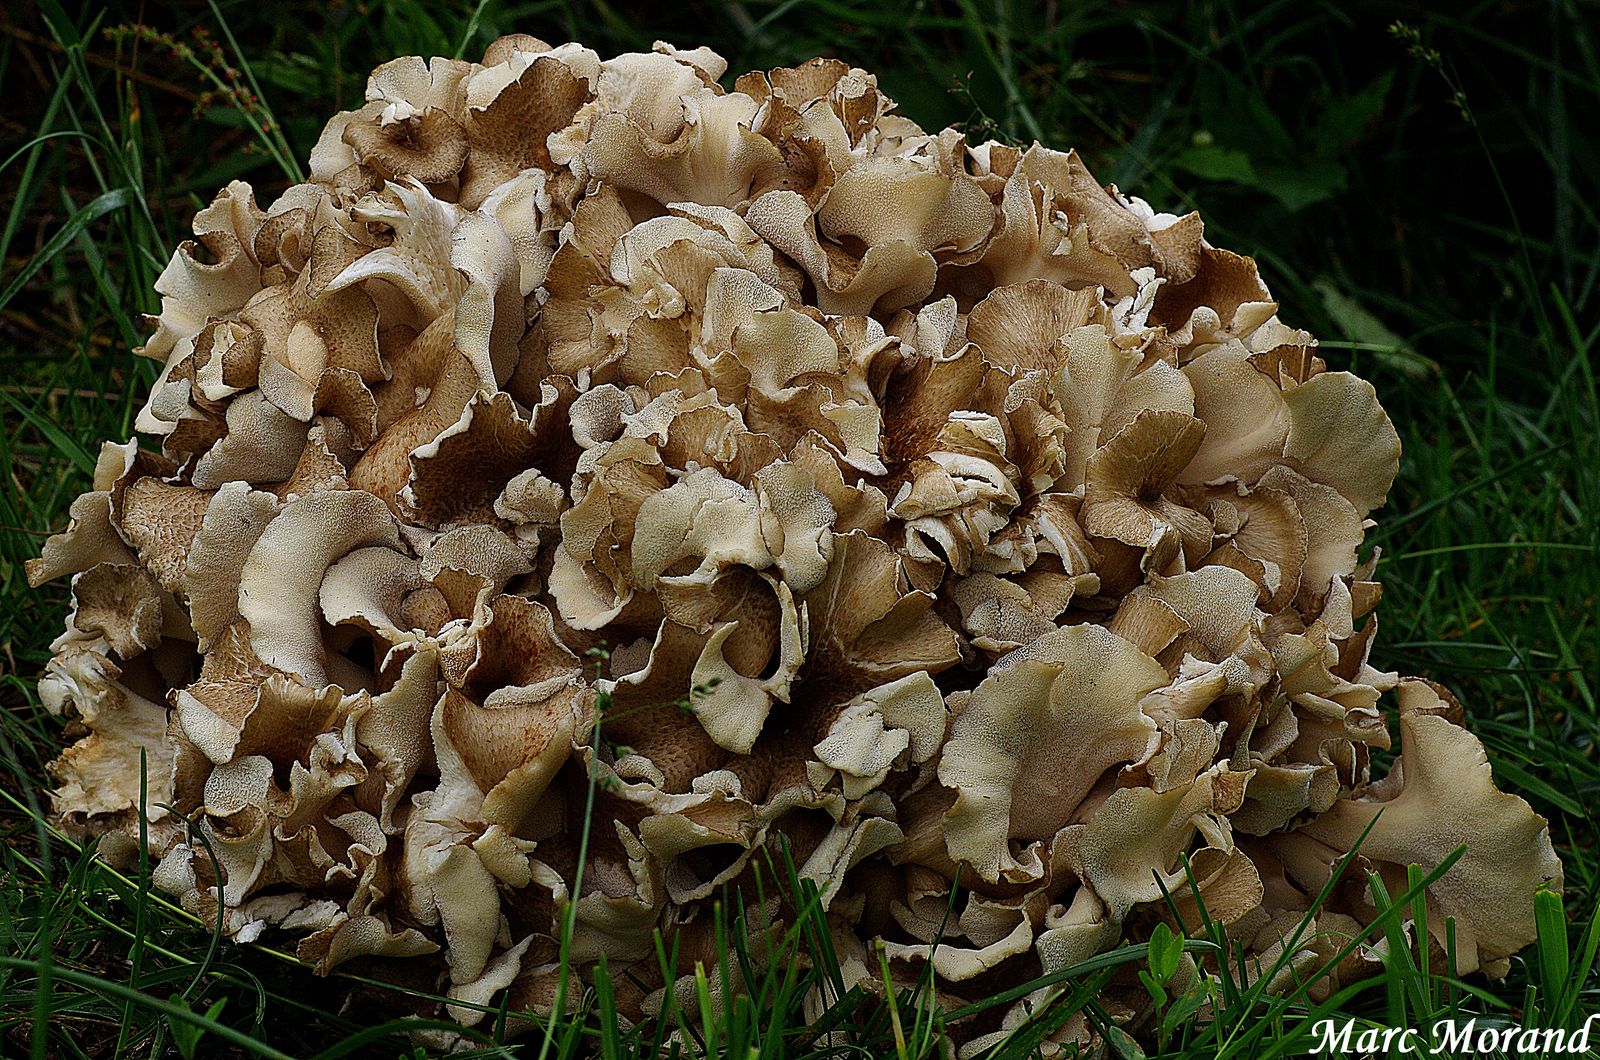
(1310, 133)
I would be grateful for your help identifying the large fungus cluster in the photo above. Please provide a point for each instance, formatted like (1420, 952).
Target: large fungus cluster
(1004, 531)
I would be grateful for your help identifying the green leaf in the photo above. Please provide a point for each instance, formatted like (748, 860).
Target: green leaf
(63, 442)
(1236, 114)
(1360, 326)
(1215, 162)
(1187, 1004)
(61, 24)
(115, 199)
(186, 1036)
(1578, 975)
(1166, 950)
(1121, 1044)
(1555, 959)
(1153, 987)
(1347, 117)
(1303, 183)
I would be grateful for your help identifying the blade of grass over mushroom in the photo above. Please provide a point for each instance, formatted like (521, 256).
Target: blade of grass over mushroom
(1131, 954)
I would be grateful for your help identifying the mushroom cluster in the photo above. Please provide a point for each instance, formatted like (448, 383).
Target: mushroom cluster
(972, 531)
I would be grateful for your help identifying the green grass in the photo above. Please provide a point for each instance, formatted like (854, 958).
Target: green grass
(1422, 198)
